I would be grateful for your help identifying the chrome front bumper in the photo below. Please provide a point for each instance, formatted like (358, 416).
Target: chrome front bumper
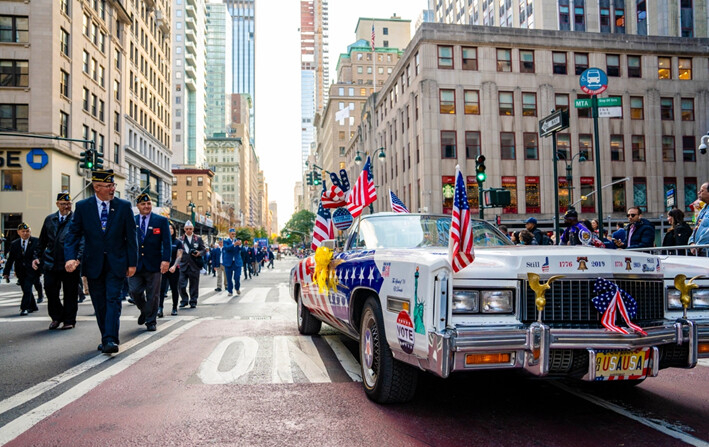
(530, 345)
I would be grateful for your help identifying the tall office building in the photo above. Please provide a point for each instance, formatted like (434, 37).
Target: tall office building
(243, 13)
(672, 18)
(314, 71)
(148, 118)
(188, 83)
(219, 68)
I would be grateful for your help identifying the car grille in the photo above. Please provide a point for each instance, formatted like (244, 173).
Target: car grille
(569, 303)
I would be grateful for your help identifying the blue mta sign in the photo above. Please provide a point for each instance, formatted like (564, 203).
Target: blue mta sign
(593, 81)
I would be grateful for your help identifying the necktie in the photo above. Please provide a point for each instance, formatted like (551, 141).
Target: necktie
(24, 246)
(142, 228)
(104, 216)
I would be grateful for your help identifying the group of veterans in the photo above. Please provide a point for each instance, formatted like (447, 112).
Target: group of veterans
(103, 241)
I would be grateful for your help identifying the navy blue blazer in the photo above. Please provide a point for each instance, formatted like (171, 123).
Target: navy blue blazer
(118, 243)
(231, 254)
(156, 246)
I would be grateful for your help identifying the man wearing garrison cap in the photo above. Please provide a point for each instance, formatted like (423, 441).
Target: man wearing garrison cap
(21, 255)
(190, 265)
(50, 260)
(110, 253)
(154, 251)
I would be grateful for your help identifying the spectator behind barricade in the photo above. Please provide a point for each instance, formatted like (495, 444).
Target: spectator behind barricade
(514, 237)
(619, 233)
(504, 230)
(526, 237)
(640, 232)
(531, 225)
(679, 231)
(700, 235)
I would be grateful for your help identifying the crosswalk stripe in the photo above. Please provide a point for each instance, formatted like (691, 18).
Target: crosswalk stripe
(284, 295)
(218, 298)
(345, 357)
(255, 295)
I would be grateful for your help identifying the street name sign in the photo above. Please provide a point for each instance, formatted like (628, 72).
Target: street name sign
(553, 123)
(582, 103)
(610, 112)
(610, 102)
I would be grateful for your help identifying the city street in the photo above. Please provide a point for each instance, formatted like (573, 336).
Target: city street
(235, 371)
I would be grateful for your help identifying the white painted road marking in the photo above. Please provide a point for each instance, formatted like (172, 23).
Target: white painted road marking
(345, 357)
(255, 295)
(218, 298)
(209, 369)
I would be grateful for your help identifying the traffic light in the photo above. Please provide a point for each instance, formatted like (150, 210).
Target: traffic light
(317, 179)
(480, 168)
(309, 178)
(98, 160)
(86, 159)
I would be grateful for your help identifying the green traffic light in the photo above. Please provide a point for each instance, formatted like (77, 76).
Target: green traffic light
(481, 176)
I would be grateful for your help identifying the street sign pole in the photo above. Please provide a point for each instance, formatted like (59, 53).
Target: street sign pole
(481, 207)
(599, 197)
(556, 187)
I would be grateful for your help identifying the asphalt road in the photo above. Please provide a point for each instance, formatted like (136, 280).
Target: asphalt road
(235, 371)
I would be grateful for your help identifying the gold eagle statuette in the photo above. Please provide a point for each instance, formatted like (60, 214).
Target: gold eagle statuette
(685, 288)
(540, 289)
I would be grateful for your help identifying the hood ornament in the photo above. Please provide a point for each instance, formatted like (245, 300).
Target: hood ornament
(685, 288)
(540, 290)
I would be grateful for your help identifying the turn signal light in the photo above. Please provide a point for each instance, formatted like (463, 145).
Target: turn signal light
(703, 348)
(486, 359)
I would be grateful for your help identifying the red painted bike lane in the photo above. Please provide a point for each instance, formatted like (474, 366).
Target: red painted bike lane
(161, 400)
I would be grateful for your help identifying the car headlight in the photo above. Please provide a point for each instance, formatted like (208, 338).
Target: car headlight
(496, 301)
(466, 301)
(700, 299)
(673, 301)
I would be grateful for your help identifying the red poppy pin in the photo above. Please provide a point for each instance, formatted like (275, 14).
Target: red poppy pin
(156, 230)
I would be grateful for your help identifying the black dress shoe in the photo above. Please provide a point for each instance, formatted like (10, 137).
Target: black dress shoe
(40, 299)
(151, 328)
(110, 348)
(141, 319)
(160, 314)
(53, 325)
(192, 306)
(100, 347)
(174, 311)
(183, 305)
(131, 300)
(23, 312)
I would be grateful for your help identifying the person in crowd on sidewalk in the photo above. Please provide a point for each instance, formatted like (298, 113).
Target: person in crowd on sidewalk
(619, 233)
(107, 226)
(255, 259)
(246, 258)
(526, 237)
(50, 258)
(679, 231)
(190, 265)
(172, 276)
(531, 225)
(217, 253)
(270, 258)
(700, 235)
(504, 230)
(231, 259)
(21, 255)
(640, 232)
(153, 261)
(575, 232)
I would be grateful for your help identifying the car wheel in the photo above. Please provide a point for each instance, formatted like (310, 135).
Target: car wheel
(385, 379)
(307, 323)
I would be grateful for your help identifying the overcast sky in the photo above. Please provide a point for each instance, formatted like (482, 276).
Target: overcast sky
(278, 81)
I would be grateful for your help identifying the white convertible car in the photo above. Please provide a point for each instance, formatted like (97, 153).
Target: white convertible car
(536, 308)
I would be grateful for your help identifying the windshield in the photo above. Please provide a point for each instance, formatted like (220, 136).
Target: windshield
(414, 230)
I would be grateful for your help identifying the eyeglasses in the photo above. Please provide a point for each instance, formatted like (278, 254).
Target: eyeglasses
(631, 215)
(109, 186)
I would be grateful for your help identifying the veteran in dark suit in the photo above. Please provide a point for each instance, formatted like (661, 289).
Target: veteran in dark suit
(50, 259)
(21, 256)
(110, 252)
(154, 250)
(190, 265)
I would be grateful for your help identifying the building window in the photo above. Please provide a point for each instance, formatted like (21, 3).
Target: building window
(504, 60)
(668, 148)
(116, 121)
(561, 101)
(85, 59)
(613, 65)
(580, 62)
(687, 109)
(11, 180)
(472, 102)
(94, 105)
(445, 57)
(416, 62)
(689, 148)
(563, 146)
(638, 147)
(116, 153)
(64, 42)
(619, 11)
(188, 180)
(686, 18)
(579, 16)
(200, 181)
(617, 150)
(200, 195)
(531, 148)
(101, 105)
(529, 104)
(586, 145)
(63, 125)
(509, 182)
(506, 103)
(690, 192)
(604, 11)
(685, 68)
(14, 29)
(447, 101)
(636, 108)
(188, 196)
(641, 10)
(507, 145)
(14, 73)
(385, 31)
(618, 195)
(564, 16)
(341, 135)
(667, 109)
(448, 144)
(472, 144)
(526, 61)
(587, 187)
(64, 7)
(664, 68)
(14, 117)
(558, 63)
(64, 83)
(634, 67)
(640, 192)
(116, 90)
(531, 195)
(470, 58)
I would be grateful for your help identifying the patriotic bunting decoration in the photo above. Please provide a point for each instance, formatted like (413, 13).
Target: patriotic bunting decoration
(333, 198)
(609, 300)
(397, 205)
(460, 239)
(323, 228)
(363, 192)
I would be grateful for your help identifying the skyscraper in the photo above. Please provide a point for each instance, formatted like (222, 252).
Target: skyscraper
(243, 13)
(219, 68)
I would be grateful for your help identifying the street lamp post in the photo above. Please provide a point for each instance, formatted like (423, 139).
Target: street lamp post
(192, 205)
(703, 143)
(569, 174)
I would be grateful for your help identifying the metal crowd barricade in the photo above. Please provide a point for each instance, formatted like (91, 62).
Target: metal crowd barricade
(677, 250)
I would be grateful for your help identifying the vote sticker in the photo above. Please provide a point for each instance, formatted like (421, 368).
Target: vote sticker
(405, 332)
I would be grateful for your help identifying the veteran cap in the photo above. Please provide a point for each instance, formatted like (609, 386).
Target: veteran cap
(23, 226)
(188, 224)
(232, 230)
(571, 214)
(142, 198)
(63, 197)
(102, 176)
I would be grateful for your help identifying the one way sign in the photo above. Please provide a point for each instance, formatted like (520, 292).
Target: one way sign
(553, 123)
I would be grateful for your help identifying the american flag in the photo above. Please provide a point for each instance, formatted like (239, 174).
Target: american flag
(333, 198)
(396, 204)
(324, 228)
(363, 192)
(460, 239)
(372, 44)
(610, 299)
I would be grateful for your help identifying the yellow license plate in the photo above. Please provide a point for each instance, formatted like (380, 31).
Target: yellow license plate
(616, 364)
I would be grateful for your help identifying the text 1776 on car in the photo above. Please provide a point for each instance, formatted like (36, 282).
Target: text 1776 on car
(578, 312)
